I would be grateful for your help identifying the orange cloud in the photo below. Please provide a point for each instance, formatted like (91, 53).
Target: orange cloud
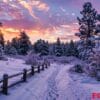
(65, 32)
(36, 34)
(34, 4)
(9, 33)
(28, 7)
(42, 6)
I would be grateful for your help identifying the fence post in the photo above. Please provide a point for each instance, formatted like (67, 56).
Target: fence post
(38, 68)
(42, 66)
(5, 84)
(32, 70)
(46, 66)
(24, 75)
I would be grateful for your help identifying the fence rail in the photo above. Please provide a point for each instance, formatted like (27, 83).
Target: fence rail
(24, 75)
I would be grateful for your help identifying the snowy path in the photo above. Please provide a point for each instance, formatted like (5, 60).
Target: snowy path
(54, 83)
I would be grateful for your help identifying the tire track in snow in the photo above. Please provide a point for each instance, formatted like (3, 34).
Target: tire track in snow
(52, 92)
(65, 88)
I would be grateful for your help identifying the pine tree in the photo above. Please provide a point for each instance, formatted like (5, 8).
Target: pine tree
(63, 45)
(58, 48)
(94, 64)
(13, 51)
(88, 28)
(41, 47)
(45, 49)
(72, 49)
(88, 22)
(15, 43)
(2, 42)
(1, 52)
(9, 49)
(51, 48)
(24, 43)
(38, 46)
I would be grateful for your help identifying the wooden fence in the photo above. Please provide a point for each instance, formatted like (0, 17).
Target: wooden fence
(23, 75)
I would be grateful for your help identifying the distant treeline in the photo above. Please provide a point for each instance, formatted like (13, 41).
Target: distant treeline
(23, 45)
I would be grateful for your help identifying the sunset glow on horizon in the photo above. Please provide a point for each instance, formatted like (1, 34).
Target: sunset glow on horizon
(42, 19)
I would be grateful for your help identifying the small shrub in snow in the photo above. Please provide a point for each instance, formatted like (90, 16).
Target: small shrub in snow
(78, 68)
(31, 58)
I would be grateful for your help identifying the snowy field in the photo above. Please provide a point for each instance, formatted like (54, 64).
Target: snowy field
(12, 66)
(55, 83)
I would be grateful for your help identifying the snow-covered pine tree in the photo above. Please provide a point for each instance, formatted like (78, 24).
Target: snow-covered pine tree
(72, 49)
(9, 49)
(41, 47)
(15, 43)
(63, 45)
(38, 46)
(24, 43)
(58, 48)
(88, 29)
(66, 47)
(51, 48)
(45, 48)
(1, 52)
(94, 62)
(2, 41)
(13, 51)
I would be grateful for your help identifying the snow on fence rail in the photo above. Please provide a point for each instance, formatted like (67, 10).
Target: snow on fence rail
(24, 75)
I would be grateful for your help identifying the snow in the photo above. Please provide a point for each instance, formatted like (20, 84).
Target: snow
(12, 66)
(55, 83)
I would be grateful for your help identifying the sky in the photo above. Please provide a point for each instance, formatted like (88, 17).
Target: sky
(45, 19)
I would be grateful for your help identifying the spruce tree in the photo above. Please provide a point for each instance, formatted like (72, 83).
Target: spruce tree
(88, 29)
(38, 46)
(15, 43)
(72, 49)
(89, 22)
(1, 52)
(24, 43)
(9, 49)
(41, 47)
(58, 48)
(2, 42)
(45, 48)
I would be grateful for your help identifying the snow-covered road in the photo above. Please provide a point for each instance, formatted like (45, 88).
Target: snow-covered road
(54, 83)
